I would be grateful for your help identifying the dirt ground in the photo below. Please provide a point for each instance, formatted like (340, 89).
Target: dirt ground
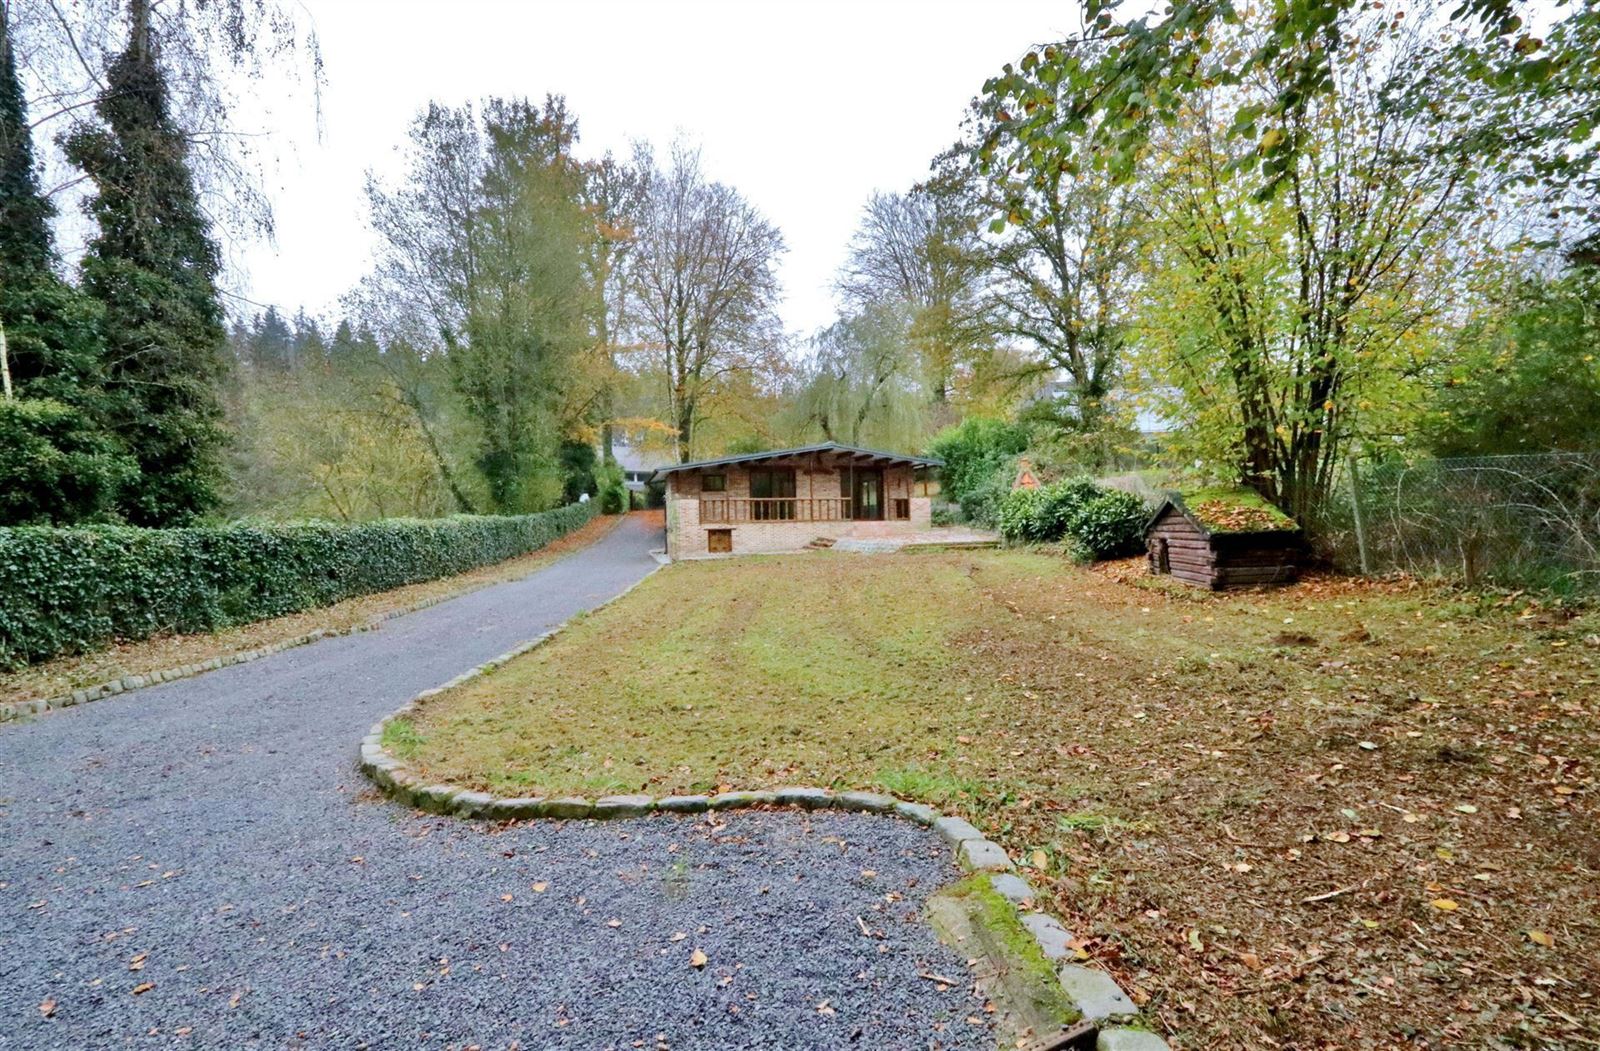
(65, 674)
(1340, 814)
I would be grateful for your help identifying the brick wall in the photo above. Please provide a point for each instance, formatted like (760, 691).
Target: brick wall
(687, 536)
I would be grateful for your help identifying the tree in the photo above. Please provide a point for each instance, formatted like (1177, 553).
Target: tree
(526, 314)
(153, 265)
(613, 197)
(482, 255)
(1283, 328)
(209, 52)
(1526, 106)
(920, 249)
(57, 463)
(1528, 378)
(272, 343)
(1063, 277)
(705, 289)
(861, 384)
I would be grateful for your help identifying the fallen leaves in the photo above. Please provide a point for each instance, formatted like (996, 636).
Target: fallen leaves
(143, 987)
(47, 1007)
(698, 959)
(1541, 938)
(1445, 904)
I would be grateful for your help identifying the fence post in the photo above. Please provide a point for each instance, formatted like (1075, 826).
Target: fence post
(1355, 507)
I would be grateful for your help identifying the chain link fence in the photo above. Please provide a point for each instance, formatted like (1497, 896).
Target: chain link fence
(1517, 521)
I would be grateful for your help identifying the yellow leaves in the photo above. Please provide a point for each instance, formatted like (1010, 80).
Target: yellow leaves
(1542, 938)
(698, 959)
(1445, 904)
(1271, 140)
(540, 887)
(1039, 860)
(137, 963)
(1194, 941)
(143, 987)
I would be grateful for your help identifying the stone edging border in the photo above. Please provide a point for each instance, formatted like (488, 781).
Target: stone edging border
(1095, 993)
(11, 710)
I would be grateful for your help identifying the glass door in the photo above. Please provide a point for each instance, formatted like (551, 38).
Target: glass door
(869, 495)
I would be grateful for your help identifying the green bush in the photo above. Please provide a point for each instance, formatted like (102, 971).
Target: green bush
(1024, 516)
(56, 465)
(979, 457)
(76, 590)
(1108, 525)
(613, 495)
(1095, 521)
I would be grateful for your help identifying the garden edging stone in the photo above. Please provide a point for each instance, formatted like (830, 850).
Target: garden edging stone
(1096, 995)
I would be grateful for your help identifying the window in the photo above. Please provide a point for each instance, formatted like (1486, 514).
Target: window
(771, 493)
(714, 483)
(719, 541)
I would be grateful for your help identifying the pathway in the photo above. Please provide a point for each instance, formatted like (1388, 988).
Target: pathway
(199, 865)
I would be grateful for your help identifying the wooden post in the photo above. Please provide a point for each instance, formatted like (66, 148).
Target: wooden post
(1360, 519)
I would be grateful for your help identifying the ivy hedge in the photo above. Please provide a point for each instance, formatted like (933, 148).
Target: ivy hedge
(76, 590)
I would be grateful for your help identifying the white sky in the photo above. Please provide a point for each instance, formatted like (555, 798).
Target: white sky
(805, 107)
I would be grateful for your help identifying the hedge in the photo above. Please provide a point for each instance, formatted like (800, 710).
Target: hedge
(76, 590)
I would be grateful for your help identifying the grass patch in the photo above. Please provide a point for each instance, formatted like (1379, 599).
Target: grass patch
(930, 786)
(1180, 777)
(400, 737)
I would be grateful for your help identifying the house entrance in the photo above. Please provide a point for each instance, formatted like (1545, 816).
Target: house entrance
(864, 490)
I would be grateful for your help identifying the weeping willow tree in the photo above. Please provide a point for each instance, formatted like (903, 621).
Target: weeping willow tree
(862, 382)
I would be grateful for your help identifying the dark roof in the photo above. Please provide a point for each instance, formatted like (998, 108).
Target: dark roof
(1176, 502)
(803, 450)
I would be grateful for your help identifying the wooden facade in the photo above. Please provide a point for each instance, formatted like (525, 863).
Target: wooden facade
(788, 499)
(1179, 544)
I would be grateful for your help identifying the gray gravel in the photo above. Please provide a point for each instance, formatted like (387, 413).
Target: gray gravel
(214, 834)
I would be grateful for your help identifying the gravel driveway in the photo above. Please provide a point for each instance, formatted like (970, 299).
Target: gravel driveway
(199, 865)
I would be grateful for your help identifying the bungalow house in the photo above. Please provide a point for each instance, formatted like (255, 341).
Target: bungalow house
(784, 499)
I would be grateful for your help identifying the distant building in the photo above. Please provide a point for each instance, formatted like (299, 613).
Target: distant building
(638, 465)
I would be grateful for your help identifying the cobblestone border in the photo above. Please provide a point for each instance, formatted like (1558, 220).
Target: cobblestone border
(1093, 992)
(11, 710)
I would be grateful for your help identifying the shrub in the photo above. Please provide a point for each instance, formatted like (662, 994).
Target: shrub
(1024, 516)
(1095, 521)
(613, 495)
(75, 590)
(56, 466)
(981, 504)
(974, 451)
(1108, 525)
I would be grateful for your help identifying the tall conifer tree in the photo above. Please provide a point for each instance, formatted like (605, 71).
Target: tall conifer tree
(57, 462)
(154, 266)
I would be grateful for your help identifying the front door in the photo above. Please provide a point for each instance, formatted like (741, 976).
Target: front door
(869, 496)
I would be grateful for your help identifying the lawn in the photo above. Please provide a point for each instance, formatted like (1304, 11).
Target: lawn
(1336, 815)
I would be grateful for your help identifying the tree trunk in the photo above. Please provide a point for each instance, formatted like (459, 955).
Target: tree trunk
(5, 363)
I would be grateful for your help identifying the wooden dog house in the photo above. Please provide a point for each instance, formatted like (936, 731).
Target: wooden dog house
(1223, 538)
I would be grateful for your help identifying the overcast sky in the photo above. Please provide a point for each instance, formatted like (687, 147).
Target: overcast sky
(805, 107)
